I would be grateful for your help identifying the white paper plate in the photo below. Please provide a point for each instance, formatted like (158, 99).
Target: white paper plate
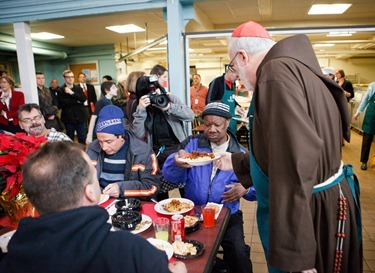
(241, 119)
(159, 207)
(5, 238)
(145, 218)
(198, 162)
(219, 206)
(162, 245)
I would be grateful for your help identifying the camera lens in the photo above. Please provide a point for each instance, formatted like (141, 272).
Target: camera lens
(162, 100)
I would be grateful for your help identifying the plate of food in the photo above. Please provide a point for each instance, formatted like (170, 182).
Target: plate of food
(188, 249)
(103, 198)
(173, 206)
(191, 223)
(143, 225)
(197, 158)
(162, 245)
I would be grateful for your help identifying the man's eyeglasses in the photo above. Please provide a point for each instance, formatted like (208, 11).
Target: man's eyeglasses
(30, 120)
(231, 66)
(71, 77)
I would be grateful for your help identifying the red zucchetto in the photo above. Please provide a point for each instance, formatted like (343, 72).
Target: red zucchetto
(251, 29)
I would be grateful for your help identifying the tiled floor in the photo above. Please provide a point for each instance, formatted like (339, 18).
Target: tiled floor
(351, 154)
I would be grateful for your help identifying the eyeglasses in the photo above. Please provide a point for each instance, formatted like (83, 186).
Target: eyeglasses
(71, 77)
(30, 120)
(231, 66)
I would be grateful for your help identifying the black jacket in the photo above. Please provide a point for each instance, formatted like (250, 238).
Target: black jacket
(79, 240)
(73, 110)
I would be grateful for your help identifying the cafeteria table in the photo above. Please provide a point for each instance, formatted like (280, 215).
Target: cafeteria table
(210, 237)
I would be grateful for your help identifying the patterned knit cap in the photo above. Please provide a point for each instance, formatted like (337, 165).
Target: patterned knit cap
(217, 109)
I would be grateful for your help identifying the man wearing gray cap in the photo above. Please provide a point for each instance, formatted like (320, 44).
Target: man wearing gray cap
(207, 184)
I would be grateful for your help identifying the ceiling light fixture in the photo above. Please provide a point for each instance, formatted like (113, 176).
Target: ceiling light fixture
(320, 9)
(323, 45)
(45, 36)
(130, 28)
(340, 33)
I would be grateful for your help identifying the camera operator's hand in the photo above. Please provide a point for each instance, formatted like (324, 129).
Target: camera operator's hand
(144, 101)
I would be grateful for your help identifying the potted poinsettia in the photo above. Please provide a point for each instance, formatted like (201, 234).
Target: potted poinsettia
(14, 150)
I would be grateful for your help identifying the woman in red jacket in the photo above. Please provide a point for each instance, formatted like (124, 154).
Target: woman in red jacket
(10, 101)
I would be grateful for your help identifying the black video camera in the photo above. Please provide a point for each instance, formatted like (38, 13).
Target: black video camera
(160, 100)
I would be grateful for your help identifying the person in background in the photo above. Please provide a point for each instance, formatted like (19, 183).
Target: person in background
(198, 95)
(32, 122)
(125, 165)
(329, 72)
(131, 83)
(73, 113)
(54, 90)
(346, 85)
(109, 90)
(162, 74)
(71, 224)
(223, 88)
(49, 110)
(122, 93)
(90, 94)
(10, 100)
(207, 184)
(294, 163)
(107, 78)
(368, 125)
(162, 127)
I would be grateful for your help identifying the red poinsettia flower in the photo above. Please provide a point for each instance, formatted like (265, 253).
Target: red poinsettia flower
(14, 150)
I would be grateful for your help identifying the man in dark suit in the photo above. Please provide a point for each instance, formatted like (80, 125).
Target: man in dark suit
(73, 115)
(89, 91)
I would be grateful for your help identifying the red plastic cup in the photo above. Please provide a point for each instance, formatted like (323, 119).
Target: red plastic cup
(208, 217)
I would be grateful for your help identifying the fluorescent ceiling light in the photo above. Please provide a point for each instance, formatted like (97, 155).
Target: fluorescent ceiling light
(125, 28)
(323, 45)
(46, 36)
(340, 33)
(328, 9)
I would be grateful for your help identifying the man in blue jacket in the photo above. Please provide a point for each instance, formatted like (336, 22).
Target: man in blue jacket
(208, 184)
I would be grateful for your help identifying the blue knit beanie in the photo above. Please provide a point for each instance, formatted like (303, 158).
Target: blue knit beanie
(110, 120)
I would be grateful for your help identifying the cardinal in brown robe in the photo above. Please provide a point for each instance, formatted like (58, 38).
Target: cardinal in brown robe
(308, 199)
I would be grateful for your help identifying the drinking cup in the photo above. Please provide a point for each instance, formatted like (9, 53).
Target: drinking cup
(161, 226)
(208, 216)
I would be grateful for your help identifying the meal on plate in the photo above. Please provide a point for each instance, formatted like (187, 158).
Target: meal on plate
(190, 220)
(196, 155)
(181, 248)
(142, 224)
(177, 206)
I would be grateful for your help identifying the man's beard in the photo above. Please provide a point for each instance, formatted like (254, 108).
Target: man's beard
(36, 129)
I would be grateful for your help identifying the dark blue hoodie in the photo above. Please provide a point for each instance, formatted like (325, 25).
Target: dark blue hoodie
(79, 240)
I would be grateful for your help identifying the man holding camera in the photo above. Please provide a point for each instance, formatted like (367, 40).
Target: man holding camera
(159, 118)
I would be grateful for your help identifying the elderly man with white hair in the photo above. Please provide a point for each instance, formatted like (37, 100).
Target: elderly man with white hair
(308, 208)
